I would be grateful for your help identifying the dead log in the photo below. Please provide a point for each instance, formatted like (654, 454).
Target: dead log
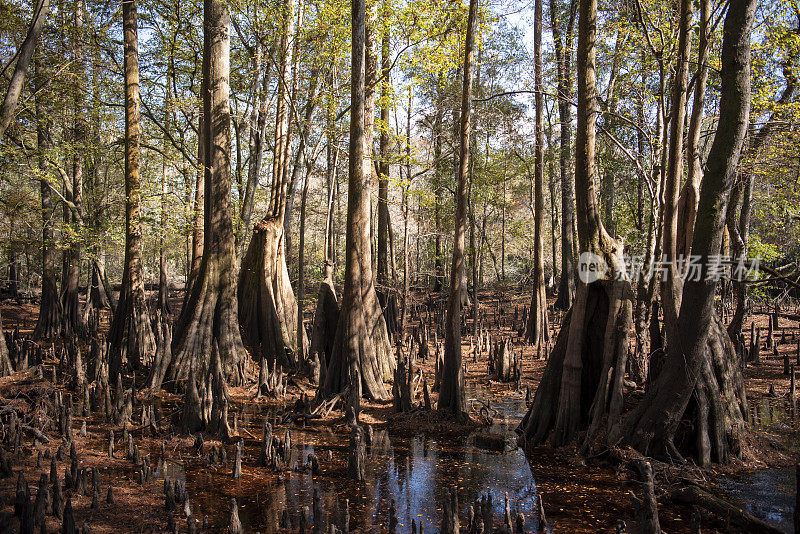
(694, 496)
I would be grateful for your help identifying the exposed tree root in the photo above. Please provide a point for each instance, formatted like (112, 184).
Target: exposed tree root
(209, 315)
(267, 305)
(582, 366)
(711, 425)
(130, 335)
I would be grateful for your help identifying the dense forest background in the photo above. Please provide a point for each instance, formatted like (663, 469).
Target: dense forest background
(75, 88)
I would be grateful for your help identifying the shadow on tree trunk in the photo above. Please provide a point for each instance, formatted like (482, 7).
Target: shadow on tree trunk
(267, 305)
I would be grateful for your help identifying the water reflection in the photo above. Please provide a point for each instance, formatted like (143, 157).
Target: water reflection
(767, 494)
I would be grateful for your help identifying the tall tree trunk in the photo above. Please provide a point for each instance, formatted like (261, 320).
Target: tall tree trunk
(383, 172)
(258, 130)
(406, 215)
(438, 136)
(7, 113)
(301, 161)
(690, 193)
(96, 295)
(130, 335)
(267, 306)
(24, 55)
(563, 49)
(671, 285)
(551, 185)
(301, 338)
(373, 311)
(162, 304)
(652, 426)
(209, 315)
(582, 383)
(294, 183)
(326, 315)
(73, 321)
(646, 286)
(5, 358)
(739, 231)
(451, 393)
(198, 215)
(537, 331)
(354, 361)
(48, 325)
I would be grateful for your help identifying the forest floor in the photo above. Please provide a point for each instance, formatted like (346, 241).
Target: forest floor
(579, 495)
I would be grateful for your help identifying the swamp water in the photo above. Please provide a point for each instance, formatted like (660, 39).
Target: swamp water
(416, 473)
(768, 494)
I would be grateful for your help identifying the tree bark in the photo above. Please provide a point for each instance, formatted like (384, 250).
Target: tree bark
(739, 230)
(537, 331)
(383, 172)
(355, 359)
(671, 285)
(210, 312)
(582, 383)
(162, 303)
(72, 320)
(302, 163)
(301, 341)
(5, 359)
(268, 312)
(48, 325)
(258, 130)
(690, 193)
(563, 50)
(24, 55)
(451, 394)
(438, 135)
(131, 325)
(198, 214)
(652, 426)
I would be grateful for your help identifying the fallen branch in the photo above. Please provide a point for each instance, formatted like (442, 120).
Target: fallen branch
(693, 495)
(38, 434)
